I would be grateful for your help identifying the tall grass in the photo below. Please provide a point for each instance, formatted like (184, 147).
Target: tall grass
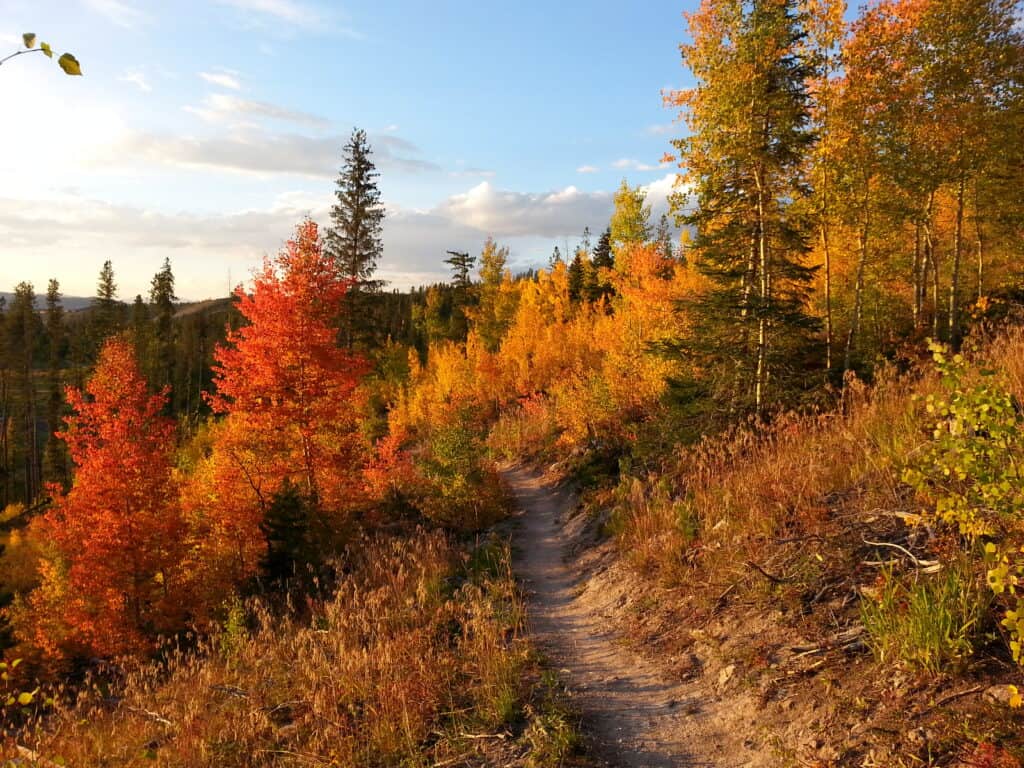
(410, 653)
(930, 623)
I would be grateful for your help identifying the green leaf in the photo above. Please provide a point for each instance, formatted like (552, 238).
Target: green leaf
(45, 48)
(69, 64)
(29, 38)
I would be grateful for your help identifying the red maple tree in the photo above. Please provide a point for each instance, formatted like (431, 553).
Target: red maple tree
(110, 582)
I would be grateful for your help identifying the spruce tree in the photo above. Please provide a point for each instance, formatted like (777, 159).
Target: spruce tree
(286, 526)
(354, 239)
(23, 333)
(162, 299)
(751, 78)
(55, 464)
(106, 309)
(603, 258)
(577, 275)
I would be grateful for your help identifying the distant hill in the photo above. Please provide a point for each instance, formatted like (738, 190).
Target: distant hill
(71, 303)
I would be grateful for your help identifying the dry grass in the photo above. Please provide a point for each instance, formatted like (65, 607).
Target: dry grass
(413, 653)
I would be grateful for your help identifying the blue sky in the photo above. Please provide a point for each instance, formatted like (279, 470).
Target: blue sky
(205, 131)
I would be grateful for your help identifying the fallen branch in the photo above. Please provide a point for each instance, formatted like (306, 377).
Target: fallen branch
(772, 578)
(154, 716)
(927, 566)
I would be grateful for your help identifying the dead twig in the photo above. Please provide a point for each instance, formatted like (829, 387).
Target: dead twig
(772, 578)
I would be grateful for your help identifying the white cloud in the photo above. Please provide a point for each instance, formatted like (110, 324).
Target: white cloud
(118, 12)
(505, 213)
(69, 236)
(662, 129)
(225, 108)
(293, 14)
(628, 163)
(223, 79)
(138, 79)
(587, 169)
(254, 150)
(468, 173)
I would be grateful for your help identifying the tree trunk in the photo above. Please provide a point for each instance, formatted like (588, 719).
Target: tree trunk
(858, 291)
(764, 298)
(954, 280)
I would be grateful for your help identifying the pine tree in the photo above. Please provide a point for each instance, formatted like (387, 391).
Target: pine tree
(287, 529)
(23, 333)
(55, 465)
(750, 77)
(663, 238)
(106, 310)
(577, 275)
(604, 258)
(556, 257)
(162, 298)
(354, 240)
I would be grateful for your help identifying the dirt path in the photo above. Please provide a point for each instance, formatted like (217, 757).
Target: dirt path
(634, 716)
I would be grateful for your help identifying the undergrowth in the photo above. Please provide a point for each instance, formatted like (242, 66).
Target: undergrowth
(415, 659)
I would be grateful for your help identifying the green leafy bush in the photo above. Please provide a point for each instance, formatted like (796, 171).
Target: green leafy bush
(969, 474)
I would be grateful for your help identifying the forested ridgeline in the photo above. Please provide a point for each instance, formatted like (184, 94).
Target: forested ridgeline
(752, 410)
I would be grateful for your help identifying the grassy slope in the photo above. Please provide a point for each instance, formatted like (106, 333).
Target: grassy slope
(768, 553)
(416, 660)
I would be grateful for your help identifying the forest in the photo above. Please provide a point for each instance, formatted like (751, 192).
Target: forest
(285, 527)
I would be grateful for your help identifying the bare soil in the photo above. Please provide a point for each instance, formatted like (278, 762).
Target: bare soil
(635, 711)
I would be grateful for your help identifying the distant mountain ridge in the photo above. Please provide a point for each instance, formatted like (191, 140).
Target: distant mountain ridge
(71, 303)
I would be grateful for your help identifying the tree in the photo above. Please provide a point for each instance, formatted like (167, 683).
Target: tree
(497, 298)
(749, 120)
(286, 391)
(23, 335)
(114, 542)
(354, 239)
(106, 312)
(288, 529)
(55, 466)
(630, 222)
(604, 259)
(663, 238)
(162, 299)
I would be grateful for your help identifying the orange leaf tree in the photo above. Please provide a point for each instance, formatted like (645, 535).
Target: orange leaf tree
(286, 390)
(110, 575)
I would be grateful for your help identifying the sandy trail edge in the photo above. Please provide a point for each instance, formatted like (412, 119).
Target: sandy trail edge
(634, 716)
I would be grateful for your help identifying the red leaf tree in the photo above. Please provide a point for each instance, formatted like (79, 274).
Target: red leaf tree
(286, 391)
(110, 580)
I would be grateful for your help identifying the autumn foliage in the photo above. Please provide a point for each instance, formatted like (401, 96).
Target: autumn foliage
(111, 572)
(285, 390)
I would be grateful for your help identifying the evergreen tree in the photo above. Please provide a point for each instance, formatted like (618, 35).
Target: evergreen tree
(461, 264)
(577, 276)
(354, 239)
(286, 526)
(162, 299)
(663, 238)
(604, 258)
(751, 76)
(142, 333)
(556, 257)
(23, 334)
(55, 464)
(106, 309)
